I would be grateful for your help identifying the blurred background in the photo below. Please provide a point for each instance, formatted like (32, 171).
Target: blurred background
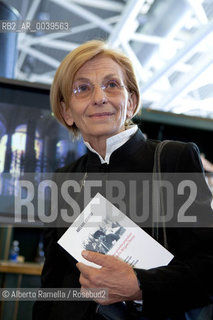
(170, 44)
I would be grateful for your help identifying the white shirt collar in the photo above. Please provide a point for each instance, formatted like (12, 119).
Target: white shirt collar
(114, 142)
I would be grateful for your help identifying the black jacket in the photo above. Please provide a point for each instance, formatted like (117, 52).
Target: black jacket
(186, 283)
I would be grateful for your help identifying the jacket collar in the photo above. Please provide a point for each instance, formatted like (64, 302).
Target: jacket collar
(123, 152)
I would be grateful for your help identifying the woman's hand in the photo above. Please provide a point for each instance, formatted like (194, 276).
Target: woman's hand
(115, 275)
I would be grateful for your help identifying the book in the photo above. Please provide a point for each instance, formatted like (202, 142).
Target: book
(103, 228)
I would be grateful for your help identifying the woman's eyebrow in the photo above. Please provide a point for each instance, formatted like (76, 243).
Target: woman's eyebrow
(82, 79)
(108, 76)
(111, 75)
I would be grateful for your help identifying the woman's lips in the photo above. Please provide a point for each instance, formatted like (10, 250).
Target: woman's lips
(101, 115)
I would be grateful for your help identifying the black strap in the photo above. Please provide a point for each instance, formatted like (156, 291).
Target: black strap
(157, 197)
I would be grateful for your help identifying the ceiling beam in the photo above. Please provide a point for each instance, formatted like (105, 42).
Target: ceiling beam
(195, 41)
(147, 38)
(103, 4)
(83, 13)
(189, 104)
(59, 45)
(198, 10)
(181, 86)
(41, 56)
(123, 28)
(22, 36)
(142, 74)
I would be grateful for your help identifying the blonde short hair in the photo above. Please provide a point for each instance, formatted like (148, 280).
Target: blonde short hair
(64, 77)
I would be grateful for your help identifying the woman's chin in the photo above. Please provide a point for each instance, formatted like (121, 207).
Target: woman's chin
(104, 132)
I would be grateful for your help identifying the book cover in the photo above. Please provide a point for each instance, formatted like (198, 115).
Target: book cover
(103, 228)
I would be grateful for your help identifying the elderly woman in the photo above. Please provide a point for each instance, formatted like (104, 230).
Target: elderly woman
(95, 94)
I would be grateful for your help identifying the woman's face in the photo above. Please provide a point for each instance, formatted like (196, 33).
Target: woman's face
(100, 113)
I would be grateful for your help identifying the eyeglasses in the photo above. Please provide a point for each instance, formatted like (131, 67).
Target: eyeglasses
(85, 89)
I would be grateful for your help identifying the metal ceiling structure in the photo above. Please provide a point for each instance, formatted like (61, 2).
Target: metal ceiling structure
(170, 43)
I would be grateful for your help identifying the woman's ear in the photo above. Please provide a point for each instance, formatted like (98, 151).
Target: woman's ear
(132, 102)
(67, 114)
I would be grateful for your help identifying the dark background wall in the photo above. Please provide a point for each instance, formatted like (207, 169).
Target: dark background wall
(162, 131)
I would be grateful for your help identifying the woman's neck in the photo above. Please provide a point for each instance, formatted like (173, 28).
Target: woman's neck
(99, 145)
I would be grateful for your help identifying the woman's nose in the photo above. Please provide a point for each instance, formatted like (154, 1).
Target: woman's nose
(99, 95)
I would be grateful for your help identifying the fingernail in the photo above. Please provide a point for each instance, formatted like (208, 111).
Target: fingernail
(84, 253)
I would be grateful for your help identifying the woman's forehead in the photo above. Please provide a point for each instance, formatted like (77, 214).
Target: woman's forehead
(100, 66)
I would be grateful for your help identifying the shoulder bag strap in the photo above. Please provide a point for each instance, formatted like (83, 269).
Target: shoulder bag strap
(157, 197)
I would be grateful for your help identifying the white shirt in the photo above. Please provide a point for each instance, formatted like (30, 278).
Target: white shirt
(114, 142)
